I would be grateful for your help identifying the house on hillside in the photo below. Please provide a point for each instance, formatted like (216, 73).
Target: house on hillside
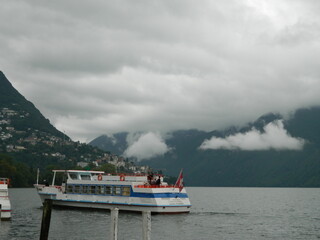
(82, 164)
(31, 140)
(117, 161)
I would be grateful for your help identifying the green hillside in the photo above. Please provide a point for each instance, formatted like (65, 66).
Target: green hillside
(28, 141)
(10, 98)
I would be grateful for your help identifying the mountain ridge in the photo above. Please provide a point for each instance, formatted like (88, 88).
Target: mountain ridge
(259, 168)
(12, 99)
(28, 141)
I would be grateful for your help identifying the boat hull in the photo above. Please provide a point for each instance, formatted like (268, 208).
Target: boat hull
(5, 215)
(5, 205)
(128, 207)
(86, 189)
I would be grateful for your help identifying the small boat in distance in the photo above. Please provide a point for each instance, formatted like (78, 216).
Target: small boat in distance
(5, 205)
(95, 189)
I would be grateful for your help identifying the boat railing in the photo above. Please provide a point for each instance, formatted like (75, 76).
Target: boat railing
(154, 186)
(131, 174)
(4, 181)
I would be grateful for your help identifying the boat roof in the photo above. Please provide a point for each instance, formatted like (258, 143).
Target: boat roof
(78, 171)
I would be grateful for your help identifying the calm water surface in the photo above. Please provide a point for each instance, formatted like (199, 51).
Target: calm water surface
(217, 213)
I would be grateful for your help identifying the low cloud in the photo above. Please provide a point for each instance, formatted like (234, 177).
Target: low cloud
(146, 146)
(274, 136)
(161, 62)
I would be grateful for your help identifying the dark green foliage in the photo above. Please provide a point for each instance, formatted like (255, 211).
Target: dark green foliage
(107, 168)
(7, 169)
(20, 175)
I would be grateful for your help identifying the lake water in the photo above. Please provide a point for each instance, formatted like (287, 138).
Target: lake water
(217, 213)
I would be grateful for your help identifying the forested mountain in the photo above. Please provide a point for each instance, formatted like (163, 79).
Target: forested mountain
(116, 144)
(29, 116)
(28, 141)
(236, 167)
(27, 136)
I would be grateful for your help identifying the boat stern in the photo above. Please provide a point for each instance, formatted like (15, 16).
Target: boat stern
(162, 199)
(5, 205)
(47, 192)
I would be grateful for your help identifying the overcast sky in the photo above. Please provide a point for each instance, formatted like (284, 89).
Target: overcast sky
(101, 67)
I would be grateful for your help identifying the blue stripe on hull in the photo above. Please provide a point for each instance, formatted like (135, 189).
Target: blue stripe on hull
(118, 203)
(135, 194)
(159, 195)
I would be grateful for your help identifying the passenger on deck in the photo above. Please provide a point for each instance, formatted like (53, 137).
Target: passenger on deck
(150, 178)
(46, 183)
(158, 182)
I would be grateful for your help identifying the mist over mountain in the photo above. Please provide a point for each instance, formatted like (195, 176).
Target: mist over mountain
(116, 143)
(272, 151)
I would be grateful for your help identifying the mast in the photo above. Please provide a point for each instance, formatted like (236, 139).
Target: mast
(38, 171)
(54, 178)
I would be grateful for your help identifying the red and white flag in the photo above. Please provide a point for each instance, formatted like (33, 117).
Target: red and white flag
(179, 182)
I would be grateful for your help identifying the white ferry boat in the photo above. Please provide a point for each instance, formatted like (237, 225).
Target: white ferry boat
(94, 189)
(5, 205)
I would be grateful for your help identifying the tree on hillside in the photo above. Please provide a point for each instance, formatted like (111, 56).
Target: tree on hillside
(7, 169)
(107, 168)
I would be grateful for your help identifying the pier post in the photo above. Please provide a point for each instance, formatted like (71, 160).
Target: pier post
(46, 216)
(146, 225)
(114, 224)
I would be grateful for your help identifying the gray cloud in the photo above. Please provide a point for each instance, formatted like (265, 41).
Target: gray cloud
(273, 137)
(101, 67)
(145, 146)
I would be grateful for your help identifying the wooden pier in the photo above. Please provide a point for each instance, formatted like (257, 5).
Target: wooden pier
(46, 218)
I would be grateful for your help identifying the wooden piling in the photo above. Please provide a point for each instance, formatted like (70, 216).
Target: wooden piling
(114, 224)
(46, 217)
(146, 225)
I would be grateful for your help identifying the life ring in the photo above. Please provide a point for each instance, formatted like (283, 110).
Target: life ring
(122, 177)
(99, 177)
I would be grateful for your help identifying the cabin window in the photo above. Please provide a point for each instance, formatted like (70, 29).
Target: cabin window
(69, 189)
(77, 188)
(126, 191)
(92, 189)
(108, 189)
(85, 189)
(85, 177)
(73, 176)
(100, 189)
(117, 190)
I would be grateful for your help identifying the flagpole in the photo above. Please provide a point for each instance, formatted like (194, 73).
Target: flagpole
(179, 182)
(38, 176)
